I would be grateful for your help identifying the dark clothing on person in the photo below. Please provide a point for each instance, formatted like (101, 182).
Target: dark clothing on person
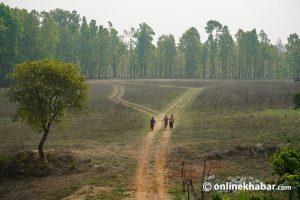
(171, 125)
(152, 122)
(166, 120)
(171, 122)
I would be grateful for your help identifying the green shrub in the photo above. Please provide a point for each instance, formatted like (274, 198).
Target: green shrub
(216, 196)
(296, 100)
(286, 164)
(254, 197)
(286, 161)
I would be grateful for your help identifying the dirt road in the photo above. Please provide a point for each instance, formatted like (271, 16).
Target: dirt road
(150, 181)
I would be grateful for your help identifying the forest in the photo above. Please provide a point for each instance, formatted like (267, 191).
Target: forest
(103, 52)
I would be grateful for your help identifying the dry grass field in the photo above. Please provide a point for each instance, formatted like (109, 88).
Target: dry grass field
(236, 125)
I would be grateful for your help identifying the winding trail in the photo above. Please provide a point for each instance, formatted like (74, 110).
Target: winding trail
(150, 181)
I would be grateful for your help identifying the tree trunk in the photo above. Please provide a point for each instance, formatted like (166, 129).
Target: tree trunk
(114, 70)
(41, 144)
(203, 74)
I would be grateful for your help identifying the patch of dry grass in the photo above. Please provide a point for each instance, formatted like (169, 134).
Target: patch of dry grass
(106, 134)
(152, 96)
(237, 113)
(251, 95)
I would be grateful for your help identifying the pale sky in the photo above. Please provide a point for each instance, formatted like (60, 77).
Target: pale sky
(278, 18)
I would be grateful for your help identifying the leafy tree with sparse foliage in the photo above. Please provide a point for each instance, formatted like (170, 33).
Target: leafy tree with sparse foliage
(46, 92)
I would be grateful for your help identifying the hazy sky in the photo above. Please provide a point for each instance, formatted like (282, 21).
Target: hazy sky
(278, 18)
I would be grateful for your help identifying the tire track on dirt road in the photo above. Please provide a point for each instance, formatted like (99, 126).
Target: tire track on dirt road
(143, 177)
(177, 108)
(150, 181)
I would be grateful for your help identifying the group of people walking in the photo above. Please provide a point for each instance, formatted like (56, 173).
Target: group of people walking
(167, 121)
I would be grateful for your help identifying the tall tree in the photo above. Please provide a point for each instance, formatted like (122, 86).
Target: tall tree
(247, 43)
(226, 51)
(203, 60)
(190, 46)
(84, 47)
(68, 27)
(29, 41)
(117, 49)
(293, 55)
(92, 49)
(213, 28)
(144, 36)
(282, 70)
(264, 54)
(49, 39)
(130, 44)
(103, 52)
(167, 53)
(10, 33)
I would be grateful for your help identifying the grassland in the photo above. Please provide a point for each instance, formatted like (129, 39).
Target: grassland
(229, 118)
(108, 134)
(179, 83)
(232, 119)
(147, 95)
(240, 114)
(104, 122)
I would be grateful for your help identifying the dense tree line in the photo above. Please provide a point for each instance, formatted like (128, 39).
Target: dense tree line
(102, 52)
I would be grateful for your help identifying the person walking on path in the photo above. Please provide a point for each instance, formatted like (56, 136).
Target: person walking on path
(152, 123)
(171, 121)
(166, 120)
